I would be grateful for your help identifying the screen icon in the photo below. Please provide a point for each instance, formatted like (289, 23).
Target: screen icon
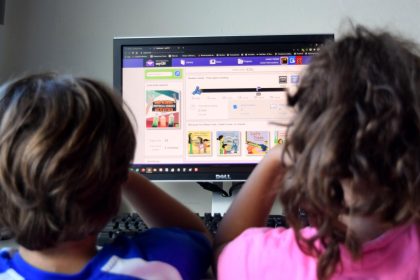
(282, 79)
(284, 60)
(299, 59)
(294, 79)
(292, 59)
(197, 91)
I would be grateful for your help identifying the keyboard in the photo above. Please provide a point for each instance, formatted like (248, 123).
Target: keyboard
(126, 223)
(212, 221)
(131, 223)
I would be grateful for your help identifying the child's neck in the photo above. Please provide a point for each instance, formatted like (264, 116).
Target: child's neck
(68, 258)
(365, 228)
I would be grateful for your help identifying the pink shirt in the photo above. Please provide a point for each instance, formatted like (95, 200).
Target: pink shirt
(266, 253)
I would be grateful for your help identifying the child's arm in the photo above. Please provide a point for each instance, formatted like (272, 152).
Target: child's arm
(253, 203)
(157, 208)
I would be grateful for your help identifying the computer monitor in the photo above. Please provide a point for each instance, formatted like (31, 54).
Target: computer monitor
(204, 106)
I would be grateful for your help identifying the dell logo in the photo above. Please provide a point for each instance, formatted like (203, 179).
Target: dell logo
(222, 176)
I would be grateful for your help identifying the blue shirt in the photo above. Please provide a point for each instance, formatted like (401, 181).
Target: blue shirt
(156, 253)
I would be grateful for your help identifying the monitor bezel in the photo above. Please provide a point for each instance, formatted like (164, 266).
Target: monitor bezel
(245, 169)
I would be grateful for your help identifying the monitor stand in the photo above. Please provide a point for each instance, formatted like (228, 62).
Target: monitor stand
(220, 203)
(223, 194)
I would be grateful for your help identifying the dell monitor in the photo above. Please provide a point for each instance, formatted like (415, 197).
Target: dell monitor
(205, 107)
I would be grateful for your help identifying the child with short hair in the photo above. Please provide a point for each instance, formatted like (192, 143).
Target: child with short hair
(351, 161)
(65, 148)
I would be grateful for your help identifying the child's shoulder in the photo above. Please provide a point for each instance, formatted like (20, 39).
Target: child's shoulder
(6, 254)
(270, 238)
(260, 251)
(163, 249)
(266, 251)
(169, 241)
(169, 253)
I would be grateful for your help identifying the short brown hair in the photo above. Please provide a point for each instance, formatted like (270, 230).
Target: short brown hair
(65, 148)
(358, 119)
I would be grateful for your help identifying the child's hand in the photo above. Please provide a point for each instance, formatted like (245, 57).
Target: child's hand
(275, 154)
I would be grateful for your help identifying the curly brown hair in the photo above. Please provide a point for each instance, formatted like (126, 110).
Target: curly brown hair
(358, 119)
(65, 148)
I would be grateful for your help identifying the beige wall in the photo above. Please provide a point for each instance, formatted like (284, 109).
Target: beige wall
(11, 38)
(76, 36)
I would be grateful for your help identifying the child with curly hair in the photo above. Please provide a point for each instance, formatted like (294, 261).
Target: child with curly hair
(351, 162)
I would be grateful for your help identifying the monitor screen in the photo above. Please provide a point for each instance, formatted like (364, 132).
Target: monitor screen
(205, 106)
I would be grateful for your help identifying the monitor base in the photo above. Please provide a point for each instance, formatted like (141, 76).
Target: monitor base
(223, 194)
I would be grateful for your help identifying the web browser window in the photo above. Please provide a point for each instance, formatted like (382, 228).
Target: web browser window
(196, 106)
